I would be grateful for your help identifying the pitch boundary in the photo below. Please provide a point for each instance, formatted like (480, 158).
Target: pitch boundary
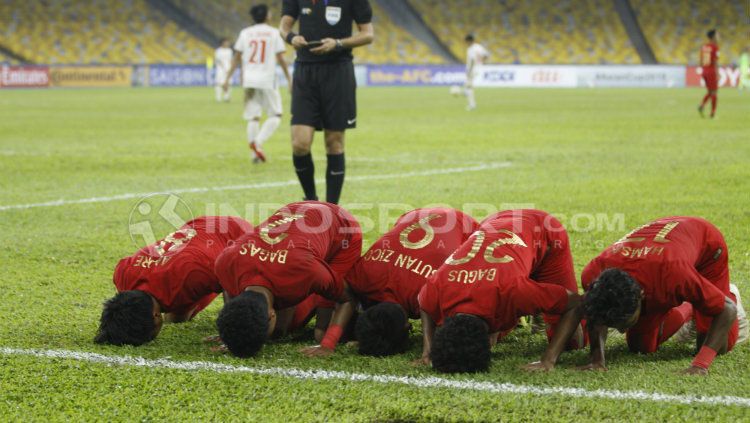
(414, 381)
(260, 185)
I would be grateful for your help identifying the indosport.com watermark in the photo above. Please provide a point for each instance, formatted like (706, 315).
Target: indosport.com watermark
(157, 215)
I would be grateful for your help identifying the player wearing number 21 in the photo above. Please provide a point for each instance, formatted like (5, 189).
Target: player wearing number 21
(303, 249)
(517, 263)
(656, 279)
(174, 276)
(257, 50)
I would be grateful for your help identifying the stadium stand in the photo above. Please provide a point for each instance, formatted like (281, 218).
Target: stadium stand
(95, 31)
(676, 29)
(394, 44)
(526, 32)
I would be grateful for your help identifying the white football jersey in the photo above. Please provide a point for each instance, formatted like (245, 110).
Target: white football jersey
(476, 54)
(259, 45)
(223, 58)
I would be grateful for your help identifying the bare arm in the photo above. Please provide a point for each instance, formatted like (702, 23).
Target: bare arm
(284, 68)
(716, 337)
(287, 23)
(565, 329)
(342, 314)
(428, 331)
(597, 338)
(235, 63)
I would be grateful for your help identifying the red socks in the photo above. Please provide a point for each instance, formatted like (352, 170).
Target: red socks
(674, 320)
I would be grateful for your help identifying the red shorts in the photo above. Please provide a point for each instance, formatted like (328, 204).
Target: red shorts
(644, 336)
(711, 79)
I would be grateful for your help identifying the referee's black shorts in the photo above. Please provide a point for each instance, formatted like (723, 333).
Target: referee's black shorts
(324, 95)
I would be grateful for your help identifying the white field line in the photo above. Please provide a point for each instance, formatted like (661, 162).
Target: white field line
(260, 185)
(419, 382)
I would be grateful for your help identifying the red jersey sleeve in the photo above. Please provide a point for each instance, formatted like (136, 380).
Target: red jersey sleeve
(347, 255)
(532, 297)
(429, 302)
(590, 273)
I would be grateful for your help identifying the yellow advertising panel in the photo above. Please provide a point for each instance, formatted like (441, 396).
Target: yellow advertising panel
(91, 76)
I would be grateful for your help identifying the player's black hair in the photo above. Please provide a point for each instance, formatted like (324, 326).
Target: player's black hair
(612, 298)
(259, 12)
(243, 324)
(469, 38)
(222, 40)
(461, 345)
(711, 33)
(382, 330)
(127, 318)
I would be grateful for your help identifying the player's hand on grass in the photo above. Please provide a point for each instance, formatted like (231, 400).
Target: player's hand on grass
(213, 339)
(299, 42)
(693, 370)
(538, 366)
(598, 367)
(221, 348)
(329, 44)
(316, 351)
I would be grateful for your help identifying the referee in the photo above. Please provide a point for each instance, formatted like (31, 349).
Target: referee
(323, 88)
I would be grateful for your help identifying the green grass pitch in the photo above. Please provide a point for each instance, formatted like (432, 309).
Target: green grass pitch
(636, 154)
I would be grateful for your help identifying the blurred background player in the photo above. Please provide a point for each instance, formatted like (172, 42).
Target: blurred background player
(258, 49)
(324, 94)
(222, 62)
(745, 69)
(476, 55)
(709, 61)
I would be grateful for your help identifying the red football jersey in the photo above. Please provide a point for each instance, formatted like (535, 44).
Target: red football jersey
(398, 264)
(518, 263)
(709, 55)
(179, 270)
(304, 248)
(665, 257)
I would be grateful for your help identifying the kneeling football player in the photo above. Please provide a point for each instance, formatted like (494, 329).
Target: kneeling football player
(517, 263)
(387, 279)
(174, 276)
(303, 249)
(656, 279)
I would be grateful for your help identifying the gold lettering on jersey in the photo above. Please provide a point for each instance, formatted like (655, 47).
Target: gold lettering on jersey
(170, 242)
(415, 265)
(627, 237)
(429, 235)
(263, 254)
(378, 254)
(662, 235)
(287, 218)
(472, 276)
(147, 262)
(475, 246)
(634, 253)
(513, 240)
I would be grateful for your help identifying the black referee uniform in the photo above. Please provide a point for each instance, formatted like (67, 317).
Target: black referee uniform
(324, 86)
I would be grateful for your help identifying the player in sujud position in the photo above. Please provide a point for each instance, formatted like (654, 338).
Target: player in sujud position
(518, 263)
(656, 279)
(174, 276)
(476, 55)
(257, 50)
(388, 278)
(222, 62)
(303, 249)
(709, 61)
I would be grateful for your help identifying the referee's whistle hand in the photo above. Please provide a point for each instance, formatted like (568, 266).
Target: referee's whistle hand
(299, 42)
(329, 44)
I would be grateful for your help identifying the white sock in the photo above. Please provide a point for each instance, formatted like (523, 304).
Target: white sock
(253, 126)
(470, 97)
(227, 93)
(268, 128)
(218, 92)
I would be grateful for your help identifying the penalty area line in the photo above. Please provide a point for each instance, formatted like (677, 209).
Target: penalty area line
(260, 185)
(415, 381)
